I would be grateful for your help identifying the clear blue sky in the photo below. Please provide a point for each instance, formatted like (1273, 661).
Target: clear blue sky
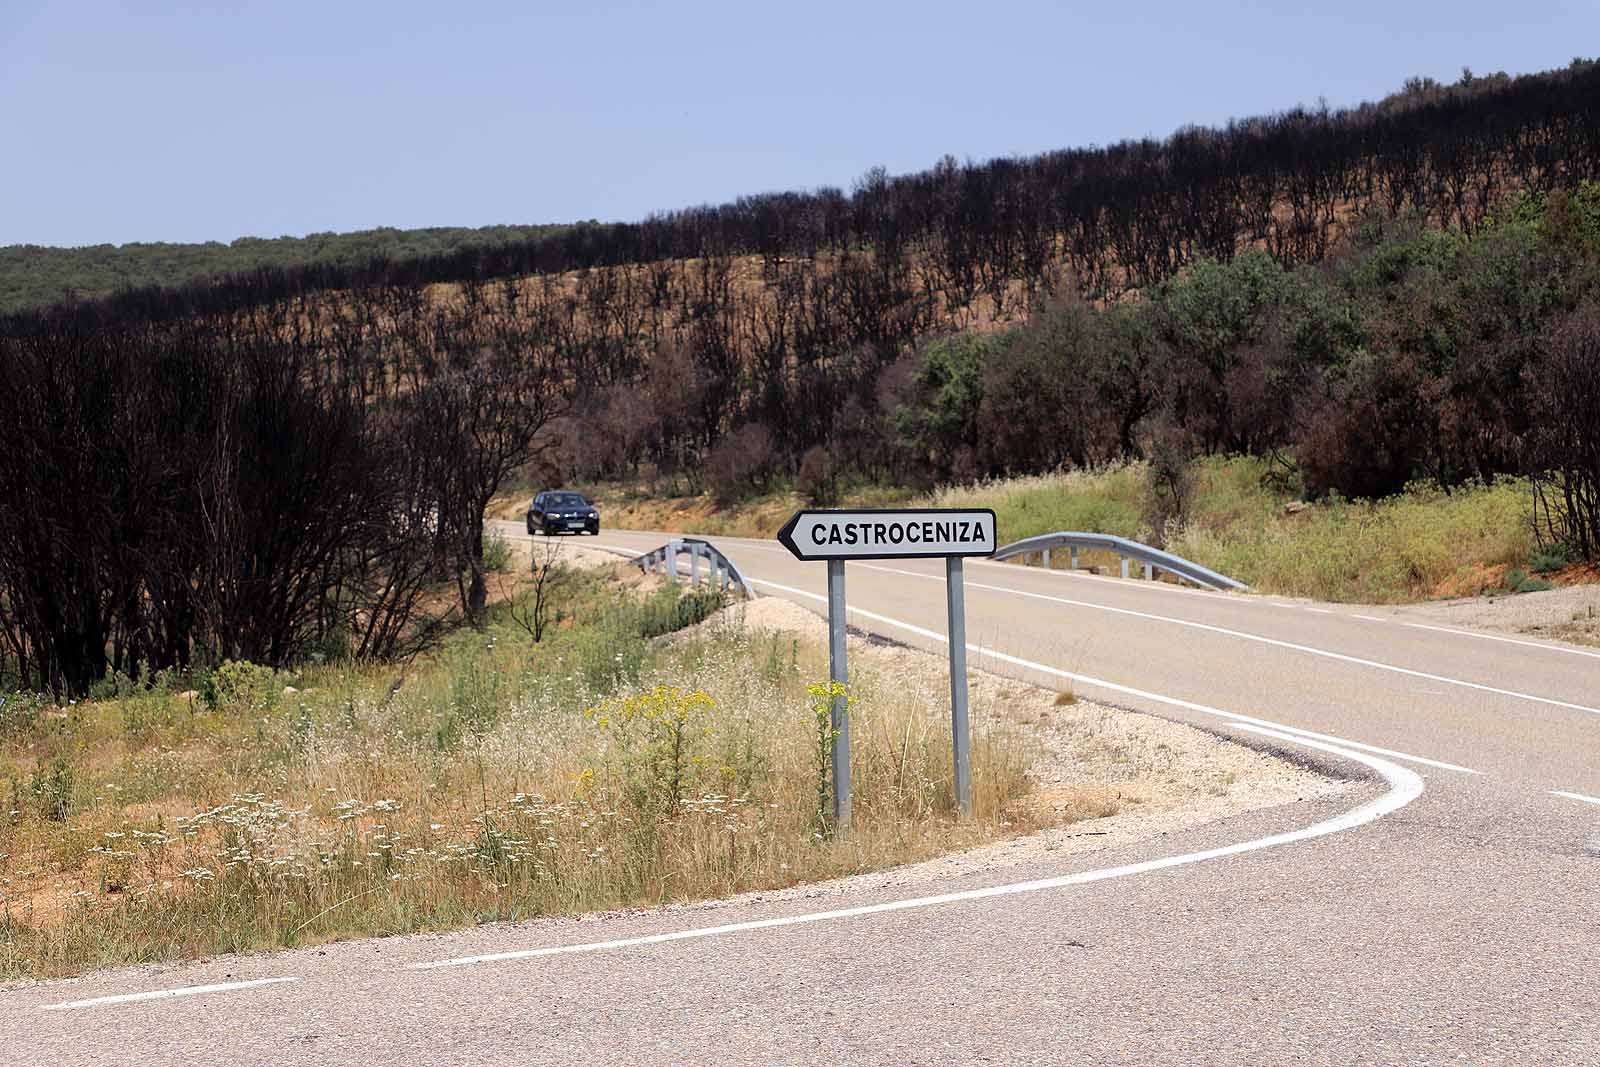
(190, 122)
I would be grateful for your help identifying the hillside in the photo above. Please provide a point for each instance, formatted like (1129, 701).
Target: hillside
(1359, 300)
(34, 276)
(1100, 222)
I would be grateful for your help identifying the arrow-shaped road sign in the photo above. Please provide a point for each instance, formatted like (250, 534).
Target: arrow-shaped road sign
(912, 533)
(870, 533)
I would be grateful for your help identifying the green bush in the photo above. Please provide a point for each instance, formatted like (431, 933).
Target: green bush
(238, 686)
(496, 553)
(672, 609)
(145, 713)
(1518, 581)
(114, 686)
(20, 712)
(1552, 558)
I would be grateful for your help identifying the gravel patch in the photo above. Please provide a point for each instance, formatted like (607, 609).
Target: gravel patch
(1571, 613)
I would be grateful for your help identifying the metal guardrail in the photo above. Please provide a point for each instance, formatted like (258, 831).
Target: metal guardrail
(1153, 558)
(720, 570)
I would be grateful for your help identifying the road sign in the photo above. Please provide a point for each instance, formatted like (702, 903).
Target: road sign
(911, 533)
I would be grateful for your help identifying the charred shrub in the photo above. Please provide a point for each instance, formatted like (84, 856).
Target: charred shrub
(1169, 482)
(1370, 435)
(741, 464)
(817, 481)
(1564, 446)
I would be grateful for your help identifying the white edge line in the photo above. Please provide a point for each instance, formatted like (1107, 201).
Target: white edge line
(1404, 787)
(1575, 796)
(163, 994)
(1101, 683)
(1369, 618)
(1505, 640)
(1259, 638)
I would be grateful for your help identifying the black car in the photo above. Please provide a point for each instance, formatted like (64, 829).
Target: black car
(558, 511)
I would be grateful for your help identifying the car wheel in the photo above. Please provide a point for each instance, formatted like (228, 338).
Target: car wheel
(530, 527)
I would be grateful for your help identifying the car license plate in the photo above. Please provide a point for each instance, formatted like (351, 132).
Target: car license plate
(575, 524)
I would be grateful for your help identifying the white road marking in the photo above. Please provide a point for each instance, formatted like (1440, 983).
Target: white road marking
(1504, 640)
(1404, 787)
(164, 994)
(618, 548)
(1259, 638)
(1369, 618)
(1574, 796)
(1322, 611)
(1115, 687)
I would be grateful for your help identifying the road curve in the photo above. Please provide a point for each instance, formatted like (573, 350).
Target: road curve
(1447, 915)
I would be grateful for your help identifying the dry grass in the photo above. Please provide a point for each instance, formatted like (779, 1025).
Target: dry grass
(500, 780)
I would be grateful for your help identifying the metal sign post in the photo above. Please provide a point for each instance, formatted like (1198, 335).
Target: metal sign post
(917, 533)
(960, 733)
(839, 673)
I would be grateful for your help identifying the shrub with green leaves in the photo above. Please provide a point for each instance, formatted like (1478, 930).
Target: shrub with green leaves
(673, 609)
(114, 686)
(240, 687)
(496, 553)
(20, 713)
(1552, 558)
(1517, 581)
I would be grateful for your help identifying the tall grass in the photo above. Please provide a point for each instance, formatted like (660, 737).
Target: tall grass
(1422, 543)
(501, 780)
(1103, 501)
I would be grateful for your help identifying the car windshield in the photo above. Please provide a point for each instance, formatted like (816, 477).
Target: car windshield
(565, 500)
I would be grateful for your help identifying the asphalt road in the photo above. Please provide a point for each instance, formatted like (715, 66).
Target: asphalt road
(1446, 913)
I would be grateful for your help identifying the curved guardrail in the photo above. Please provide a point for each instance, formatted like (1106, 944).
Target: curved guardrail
(720, 571)
(1153, 558)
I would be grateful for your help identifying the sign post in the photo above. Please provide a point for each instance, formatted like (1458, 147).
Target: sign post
(839, 674)
(960, 733)
(950, 534)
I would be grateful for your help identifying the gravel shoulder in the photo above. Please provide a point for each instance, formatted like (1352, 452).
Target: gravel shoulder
(1570, 613)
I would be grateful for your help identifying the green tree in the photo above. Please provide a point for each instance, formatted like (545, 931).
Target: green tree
(939, 420)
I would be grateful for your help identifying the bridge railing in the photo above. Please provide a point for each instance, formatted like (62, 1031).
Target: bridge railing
(720, 571)
(1152, 559)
